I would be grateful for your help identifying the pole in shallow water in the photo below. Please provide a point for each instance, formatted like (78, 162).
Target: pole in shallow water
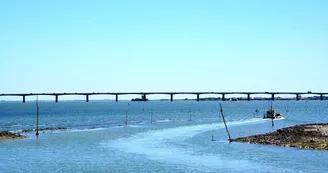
(151, 117)
(213, 138)
(221, 110)
(272, 112)
(190, 115)
(37, 116)
(126, 118)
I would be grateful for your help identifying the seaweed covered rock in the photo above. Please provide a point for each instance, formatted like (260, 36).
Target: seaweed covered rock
(44, 129)
(6, 135)
(305, 136)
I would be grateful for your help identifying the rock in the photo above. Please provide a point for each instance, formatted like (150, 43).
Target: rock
(44, 129)
(5, 135)
(306, 136)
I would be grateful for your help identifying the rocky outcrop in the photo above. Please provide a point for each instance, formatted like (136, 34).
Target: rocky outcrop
(5, 135)
(45, 129)
(306, 136)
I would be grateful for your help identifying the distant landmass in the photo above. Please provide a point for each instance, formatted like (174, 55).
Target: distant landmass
(245, 98)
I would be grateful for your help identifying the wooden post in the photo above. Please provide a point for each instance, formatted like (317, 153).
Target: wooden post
(272, 115)
(37, 116)
(221, 110)
(126, 118)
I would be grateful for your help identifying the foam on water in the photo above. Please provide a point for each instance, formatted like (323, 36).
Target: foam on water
(163, 120)
(157, 145)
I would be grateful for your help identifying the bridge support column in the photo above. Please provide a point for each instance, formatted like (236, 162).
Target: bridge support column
(223, 97)
(171, 97)
(87, 98)
(321, 96)
(248, 97)
(116, 97)
(272, 97)
(197, 97)
(23, 99)
(144, 98)
(297, 97)
(56, 98)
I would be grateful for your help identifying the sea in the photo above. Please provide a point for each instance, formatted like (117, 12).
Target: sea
(155, 136)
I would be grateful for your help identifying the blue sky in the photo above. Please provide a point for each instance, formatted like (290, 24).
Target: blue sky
(152, 45)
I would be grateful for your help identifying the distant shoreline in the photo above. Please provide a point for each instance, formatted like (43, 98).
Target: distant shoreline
(305, 136)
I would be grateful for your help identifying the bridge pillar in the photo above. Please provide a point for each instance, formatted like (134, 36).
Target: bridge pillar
(56, 98)
(272, 96)
(321, 96)
(248, 97)
(87, 98)
(197, 97)
(23, 99)
(144, 97)
(171, 97)
(297, 97)
(223, 97)
(116, 97)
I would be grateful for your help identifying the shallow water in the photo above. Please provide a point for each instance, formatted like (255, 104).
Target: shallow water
(160, 137)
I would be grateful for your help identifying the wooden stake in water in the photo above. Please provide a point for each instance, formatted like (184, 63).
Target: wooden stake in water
(126, 118)
(151, 117)
(37, 116)
(221, 110)
(190, 115)
(272, 115)
(213, 138)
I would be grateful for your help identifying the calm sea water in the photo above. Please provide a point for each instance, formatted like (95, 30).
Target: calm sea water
(159, 137)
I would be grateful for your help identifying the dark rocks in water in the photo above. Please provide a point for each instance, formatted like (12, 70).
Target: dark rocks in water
(6, 135)
(27, 130)
(305, 136)
(44, 129)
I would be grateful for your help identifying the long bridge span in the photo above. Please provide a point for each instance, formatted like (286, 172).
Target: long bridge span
(171, 94)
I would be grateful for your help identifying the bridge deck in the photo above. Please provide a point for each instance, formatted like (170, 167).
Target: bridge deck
(144, 94)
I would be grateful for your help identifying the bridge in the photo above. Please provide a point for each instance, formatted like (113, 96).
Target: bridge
(171, 94)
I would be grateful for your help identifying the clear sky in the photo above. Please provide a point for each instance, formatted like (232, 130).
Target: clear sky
(167, 45)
